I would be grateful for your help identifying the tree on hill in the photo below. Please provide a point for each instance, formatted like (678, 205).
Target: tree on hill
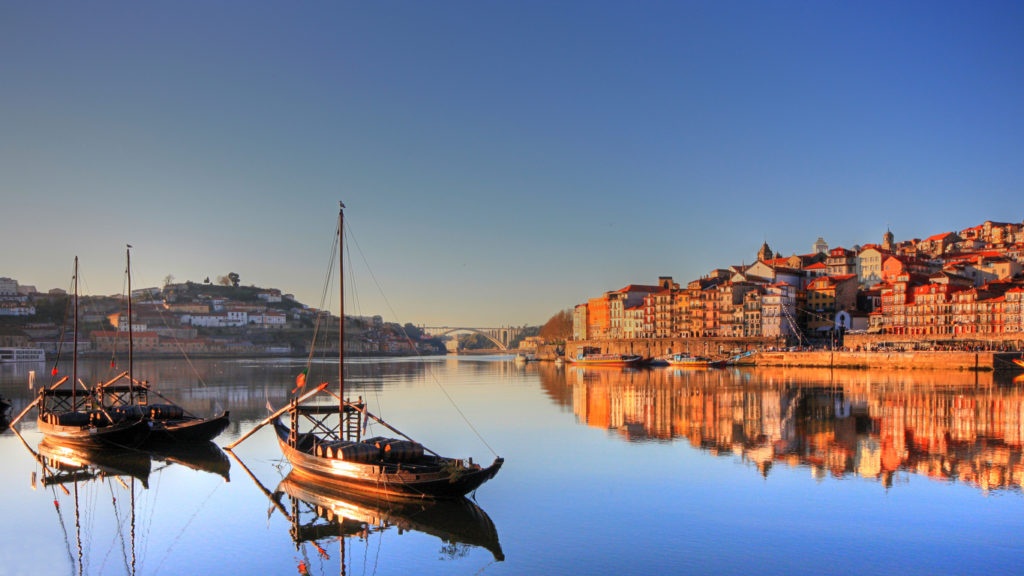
(558, 328)
(233, 277)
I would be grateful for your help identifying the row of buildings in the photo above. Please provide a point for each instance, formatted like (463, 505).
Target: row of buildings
(967, 282)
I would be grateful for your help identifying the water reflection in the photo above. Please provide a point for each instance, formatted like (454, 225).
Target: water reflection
(319, 514)
(955, 426)
(90, 482)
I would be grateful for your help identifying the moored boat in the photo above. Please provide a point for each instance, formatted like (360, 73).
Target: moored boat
(325, 444)
(130, 398)
(599, 359)
(15, 354)
(74, 417)
(687, 361)
(170, 423)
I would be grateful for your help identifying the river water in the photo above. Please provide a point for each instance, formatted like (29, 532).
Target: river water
(607, 471)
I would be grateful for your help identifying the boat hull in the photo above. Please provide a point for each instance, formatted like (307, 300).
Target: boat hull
(192, 430)
(120, 434)
(381, 478)
(608, 360)
(704, 364)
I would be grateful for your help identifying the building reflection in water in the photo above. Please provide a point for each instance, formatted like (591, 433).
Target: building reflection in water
(954, 426)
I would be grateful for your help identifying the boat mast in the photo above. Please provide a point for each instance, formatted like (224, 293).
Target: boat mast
(341, 314)
(131, 344)
(74, 350)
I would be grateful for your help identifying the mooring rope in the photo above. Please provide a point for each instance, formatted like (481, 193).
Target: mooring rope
(416, 350)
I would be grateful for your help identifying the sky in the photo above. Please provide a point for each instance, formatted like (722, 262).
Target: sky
(499, 161)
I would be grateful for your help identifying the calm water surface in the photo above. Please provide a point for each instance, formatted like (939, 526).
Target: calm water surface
(608, 471)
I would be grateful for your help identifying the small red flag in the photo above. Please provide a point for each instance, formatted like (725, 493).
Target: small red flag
(300, 381)
(54, 372)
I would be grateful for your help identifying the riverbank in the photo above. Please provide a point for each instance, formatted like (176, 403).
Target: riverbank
(977, 360)
(916, 360)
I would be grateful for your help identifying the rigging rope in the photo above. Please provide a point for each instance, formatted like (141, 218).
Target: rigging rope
(416, 350)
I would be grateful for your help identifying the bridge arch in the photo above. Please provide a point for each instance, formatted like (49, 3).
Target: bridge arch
(448, 331)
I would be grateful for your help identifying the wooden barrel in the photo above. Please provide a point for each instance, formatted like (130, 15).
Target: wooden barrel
(165, 412)
(403, 451)
(357, 452)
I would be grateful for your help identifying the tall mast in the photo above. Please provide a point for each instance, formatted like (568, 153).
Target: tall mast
(131, 343)
(74, 353)
(341, 314)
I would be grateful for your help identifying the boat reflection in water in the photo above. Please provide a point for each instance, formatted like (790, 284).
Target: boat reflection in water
(318, 512)
(953, 426)
(88, 476)
(202, 456)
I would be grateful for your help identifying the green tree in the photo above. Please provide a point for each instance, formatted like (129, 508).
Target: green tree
(233, 277)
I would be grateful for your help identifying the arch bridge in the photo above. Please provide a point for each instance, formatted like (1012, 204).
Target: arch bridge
(502, 337)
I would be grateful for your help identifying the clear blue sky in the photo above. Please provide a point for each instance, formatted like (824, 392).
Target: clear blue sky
(500, 160)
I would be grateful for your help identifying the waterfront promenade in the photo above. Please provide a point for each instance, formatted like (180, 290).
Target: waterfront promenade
(984, 360)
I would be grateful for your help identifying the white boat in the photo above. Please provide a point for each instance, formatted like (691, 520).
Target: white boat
(22, 355)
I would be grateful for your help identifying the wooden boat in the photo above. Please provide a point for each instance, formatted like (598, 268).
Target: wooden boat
(74, 417)
(587, 357)
(332, 452)
(687, 361)
(169, 422)
(454, 521)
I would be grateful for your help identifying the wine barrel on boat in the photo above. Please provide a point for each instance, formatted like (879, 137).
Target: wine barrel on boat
(397, 450)
(350, 451)
(120, 413)
(403, 451)
(166, 412)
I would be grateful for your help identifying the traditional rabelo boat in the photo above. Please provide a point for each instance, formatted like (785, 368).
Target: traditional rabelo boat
(128, 397)
(324, 443)
(73, 416)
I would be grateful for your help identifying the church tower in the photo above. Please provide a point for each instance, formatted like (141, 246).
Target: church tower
(765, 253)
(821, 247)
(888, 240)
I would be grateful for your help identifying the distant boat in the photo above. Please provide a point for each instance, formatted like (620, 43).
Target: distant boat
(687, 361)
(526, 358)
(592, 359)
(11, 355)
(333, 453)
(659, 360)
